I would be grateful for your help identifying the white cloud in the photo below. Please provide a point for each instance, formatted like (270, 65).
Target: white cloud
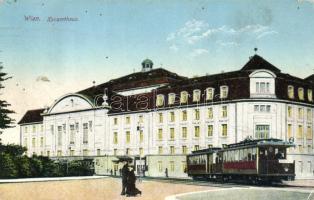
(225, 44)
(198, 52)
(194, 31)
(174, 48)
(266, 34)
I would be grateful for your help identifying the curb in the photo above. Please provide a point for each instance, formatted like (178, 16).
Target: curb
(28, 180)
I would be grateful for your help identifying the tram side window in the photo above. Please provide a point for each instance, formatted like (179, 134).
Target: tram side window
(225, 155)
(254, 153)
(245, 154)
(249, 154)
(241, 155)
(236, 155)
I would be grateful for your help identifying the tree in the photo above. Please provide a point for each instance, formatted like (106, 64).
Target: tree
(7, 166)
(5, 120)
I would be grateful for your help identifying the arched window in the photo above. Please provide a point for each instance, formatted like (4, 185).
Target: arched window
(301, 93)
(196, 95)
(223, 92)
(171, 98)
(290, 91)
(184, 97)
(160, 100)
(210, 93)
(310, 95)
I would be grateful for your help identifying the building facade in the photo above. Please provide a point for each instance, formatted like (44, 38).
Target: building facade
(157, 117)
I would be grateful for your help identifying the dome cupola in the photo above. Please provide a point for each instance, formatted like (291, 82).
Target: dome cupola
(147, 65)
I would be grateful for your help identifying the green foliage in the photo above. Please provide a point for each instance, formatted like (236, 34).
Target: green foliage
(7, 166)
(23, 166)
(5, 120)
(79, 168)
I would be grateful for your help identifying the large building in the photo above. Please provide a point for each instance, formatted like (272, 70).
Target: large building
(157, 117)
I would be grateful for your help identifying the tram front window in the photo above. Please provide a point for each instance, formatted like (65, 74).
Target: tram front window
(272, 153)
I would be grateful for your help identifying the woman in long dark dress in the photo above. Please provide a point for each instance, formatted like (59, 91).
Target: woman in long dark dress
(131, 189)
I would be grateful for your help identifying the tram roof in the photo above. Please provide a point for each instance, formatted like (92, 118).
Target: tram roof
(261, 142)
(208, 150)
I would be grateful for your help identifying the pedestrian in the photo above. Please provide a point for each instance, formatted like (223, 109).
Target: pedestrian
(124, 172)
(111, 172)
(166, 172)
(131, 189)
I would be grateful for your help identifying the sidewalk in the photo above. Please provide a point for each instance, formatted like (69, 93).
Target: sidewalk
(26, 180)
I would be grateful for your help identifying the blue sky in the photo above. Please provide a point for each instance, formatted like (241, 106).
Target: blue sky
(111, 38)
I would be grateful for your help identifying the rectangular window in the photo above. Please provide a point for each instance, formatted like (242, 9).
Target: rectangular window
(115, 138)
(59, 135)
(210, 130)
(59, 153)
(160, 118)
(160, 166)
(34, 128)
(309, 133)
(300, 113)
(309, 114)
(197, 114)
(33, 142)
(140, 119)
(256, 108)
(98, 152)
(290, 131)
(41, 128)
(127, 120)
(184, 115)
(262, 131)
(72, 134)
(71, 152)
(127, 151)
(184, 150)
(160, 134)
(25, 129)
(172, 150)
(172, 166)
(41, 141)
(172, 134)
(85, 152)
(141, 151)
(196, 131)
(184, 132)
(210, 113)
(141, 136)
(85, 133)
(160, 150)
(210, 146)
(172, 118)
(128, 137)
(224, 112)
(196, 147)
(300, 132)
(115, 121)
(224, 128)
(289, 111)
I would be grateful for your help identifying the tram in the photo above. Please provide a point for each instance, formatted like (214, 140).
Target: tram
(255, 161)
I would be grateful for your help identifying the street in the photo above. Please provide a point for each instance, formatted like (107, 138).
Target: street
(110, 188)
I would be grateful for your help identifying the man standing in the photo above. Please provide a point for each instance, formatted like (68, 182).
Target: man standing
(124, 171)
